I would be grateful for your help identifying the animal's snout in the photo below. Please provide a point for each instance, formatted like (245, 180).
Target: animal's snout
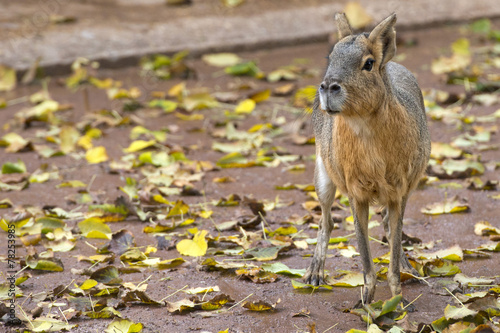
(333, 87)
(331, 95)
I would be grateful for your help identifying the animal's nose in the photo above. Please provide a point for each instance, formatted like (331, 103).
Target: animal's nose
(332, 87)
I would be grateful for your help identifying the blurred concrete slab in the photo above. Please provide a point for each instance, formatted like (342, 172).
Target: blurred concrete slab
(117, 32)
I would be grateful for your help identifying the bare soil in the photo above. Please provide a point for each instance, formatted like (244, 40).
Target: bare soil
(326, 308)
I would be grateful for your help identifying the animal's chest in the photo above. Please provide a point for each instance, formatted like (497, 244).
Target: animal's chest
(363, 169)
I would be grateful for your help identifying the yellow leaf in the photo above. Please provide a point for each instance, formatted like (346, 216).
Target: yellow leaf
(180, 208)
(139, 145)
(191, 117)
(205, 214)
(261, 96)
(357, 16)
(69, 137)
(7, 78)
(177, 90)
(96, 155)
(221, 59)
(90, 283)
(195, 247)
(245, 107)
(85, 142)
(92, 228)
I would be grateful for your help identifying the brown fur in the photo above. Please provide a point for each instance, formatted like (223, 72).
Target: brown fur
(372, 143)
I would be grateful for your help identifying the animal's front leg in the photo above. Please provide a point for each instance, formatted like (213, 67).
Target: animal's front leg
(360, 212)
(325, 189)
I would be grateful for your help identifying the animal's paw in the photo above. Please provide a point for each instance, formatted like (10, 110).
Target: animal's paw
(314, 274)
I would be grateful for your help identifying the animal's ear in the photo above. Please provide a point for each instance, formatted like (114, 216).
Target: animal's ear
(343, 26)
(383, 39)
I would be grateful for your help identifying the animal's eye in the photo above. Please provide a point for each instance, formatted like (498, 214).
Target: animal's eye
(368, 65)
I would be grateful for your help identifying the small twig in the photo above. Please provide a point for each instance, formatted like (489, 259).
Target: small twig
(91, 303)
(264, 219)
(22, 269)
(239, 302)
(64, 288)
(18, 100)
(455, 297)
(164, 298)
(91, 182)
(140, 283)
(26, 316)
(329, 328)
(407, 305)
(297, 233)
(92, 246)
(64, 316)
(263, 229)
(378, 241)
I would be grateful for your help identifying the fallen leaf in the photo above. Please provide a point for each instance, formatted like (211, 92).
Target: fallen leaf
(119, 325)
(221, 59)
(245, 107)
(484, 228)
(357, 16)
(449, 206)
(8, 78)
(259, 306)
(195, 247)
(280, 268)
(257, 275)
(93, 228)
(96, 155)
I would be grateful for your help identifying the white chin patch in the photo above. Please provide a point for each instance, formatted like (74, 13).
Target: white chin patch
(322, 102)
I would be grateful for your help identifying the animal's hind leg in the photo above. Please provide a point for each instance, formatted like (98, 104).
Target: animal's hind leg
(325, 189)
(405, 263)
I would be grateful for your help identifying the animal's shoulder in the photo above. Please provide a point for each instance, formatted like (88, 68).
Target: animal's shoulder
(405, 87)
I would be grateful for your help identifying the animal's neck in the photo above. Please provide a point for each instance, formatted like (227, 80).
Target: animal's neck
(369, 124)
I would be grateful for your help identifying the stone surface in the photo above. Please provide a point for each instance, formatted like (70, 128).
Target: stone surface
(118, 32)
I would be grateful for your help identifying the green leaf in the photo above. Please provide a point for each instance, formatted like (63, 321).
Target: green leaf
(107, 275)
(264, 254)
(280, 268)
(45, 264)
(93, 228)
(246, 68)
(13, 167)
(457, 313)
(166, 105)
(300, 285)
(391, 305)
(481, 26)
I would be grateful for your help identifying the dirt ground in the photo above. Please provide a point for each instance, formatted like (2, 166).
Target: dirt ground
(327, 308)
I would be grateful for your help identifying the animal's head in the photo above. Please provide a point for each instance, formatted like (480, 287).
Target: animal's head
(354, 80)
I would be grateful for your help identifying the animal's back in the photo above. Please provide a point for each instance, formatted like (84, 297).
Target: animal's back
(405, 88)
